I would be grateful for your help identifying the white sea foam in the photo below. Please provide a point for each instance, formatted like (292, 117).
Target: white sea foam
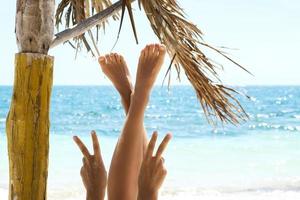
(253, 99)
(244, 195)
(188, 194)
(277, 195)
(289, 128)
(2, 119)
(297, 116)
(263, 125)
(262, 116)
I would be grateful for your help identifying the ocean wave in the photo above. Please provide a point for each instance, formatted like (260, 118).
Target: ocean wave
(297, 116)
(253, 99)
(286, 113)
(214, 195)
(289, 191)
(262, 116)
(189, 194)
(158, 116)
(268, 126)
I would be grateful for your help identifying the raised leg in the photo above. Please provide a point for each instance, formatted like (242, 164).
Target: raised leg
(129, 152)
(115, 68)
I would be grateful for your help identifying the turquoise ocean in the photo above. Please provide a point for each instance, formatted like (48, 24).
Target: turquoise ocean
(257, 160)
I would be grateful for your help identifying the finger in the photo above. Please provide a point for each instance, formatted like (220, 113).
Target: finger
(164, 172)
(151, 145)
(163, 145)
(85, 162)
(82, 171)
(82, 147)
(159, 162)
(161, 170)
(96, 146)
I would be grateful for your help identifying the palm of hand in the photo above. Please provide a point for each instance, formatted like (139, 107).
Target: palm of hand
(153, 172)
(93, 173)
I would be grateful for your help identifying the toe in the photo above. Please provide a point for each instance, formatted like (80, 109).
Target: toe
(152, 52)
(143, 53)
(122, 60)
(102, 60)
(142, 56)
(116, 57)
(147, 51)
(162, 50)
(108, 60)
(112, 58)
(156, 50)
(152, 47)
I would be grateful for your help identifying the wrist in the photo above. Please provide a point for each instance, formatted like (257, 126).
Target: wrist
(147, 195)
(95, 195)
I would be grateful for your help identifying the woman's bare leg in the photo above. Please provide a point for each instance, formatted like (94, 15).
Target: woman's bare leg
(129, 152)
(115, 68)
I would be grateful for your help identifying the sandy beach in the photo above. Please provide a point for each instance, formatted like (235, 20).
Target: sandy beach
(257, 161)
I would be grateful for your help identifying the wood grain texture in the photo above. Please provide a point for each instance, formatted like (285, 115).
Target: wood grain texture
(27, 127)
(34, 25)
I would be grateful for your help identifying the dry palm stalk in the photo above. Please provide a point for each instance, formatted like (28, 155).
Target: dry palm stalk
(76, 11)
(127, 4)
(182, 39)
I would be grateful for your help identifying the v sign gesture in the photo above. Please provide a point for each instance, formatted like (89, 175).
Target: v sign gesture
(93, 172)
(152, 172)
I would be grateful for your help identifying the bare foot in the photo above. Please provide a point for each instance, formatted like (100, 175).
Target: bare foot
(115, 68)
(151, 60)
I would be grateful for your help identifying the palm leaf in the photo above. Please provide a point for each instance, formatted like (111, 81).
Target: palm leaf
(71, 12)
(127, 4)
(183, 39)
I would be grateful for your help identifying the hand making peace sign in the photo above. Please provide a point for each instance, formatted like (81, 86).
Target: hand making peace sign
(93, 171)
(152, 172)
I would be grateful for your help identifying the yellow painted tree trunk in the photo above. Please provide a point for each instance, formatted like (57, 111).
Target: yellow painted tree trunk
(27, 127)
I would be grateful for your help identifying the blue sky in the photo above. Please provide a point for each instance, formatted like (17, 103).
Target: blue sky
(264, 33)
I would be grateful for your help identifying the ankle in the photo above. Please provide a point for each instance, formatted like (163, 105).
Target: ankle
(139, 97)
(142, 92)
(125, 95)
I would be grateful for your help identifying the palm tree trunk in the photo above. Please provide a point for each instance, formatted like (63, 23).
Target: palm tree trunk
(27, 127)
(27, 123)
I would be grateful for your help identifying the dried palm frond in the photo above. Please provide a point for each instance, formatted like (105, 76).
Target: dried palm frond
(182, 40)
(127, 4)
(75, 11)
